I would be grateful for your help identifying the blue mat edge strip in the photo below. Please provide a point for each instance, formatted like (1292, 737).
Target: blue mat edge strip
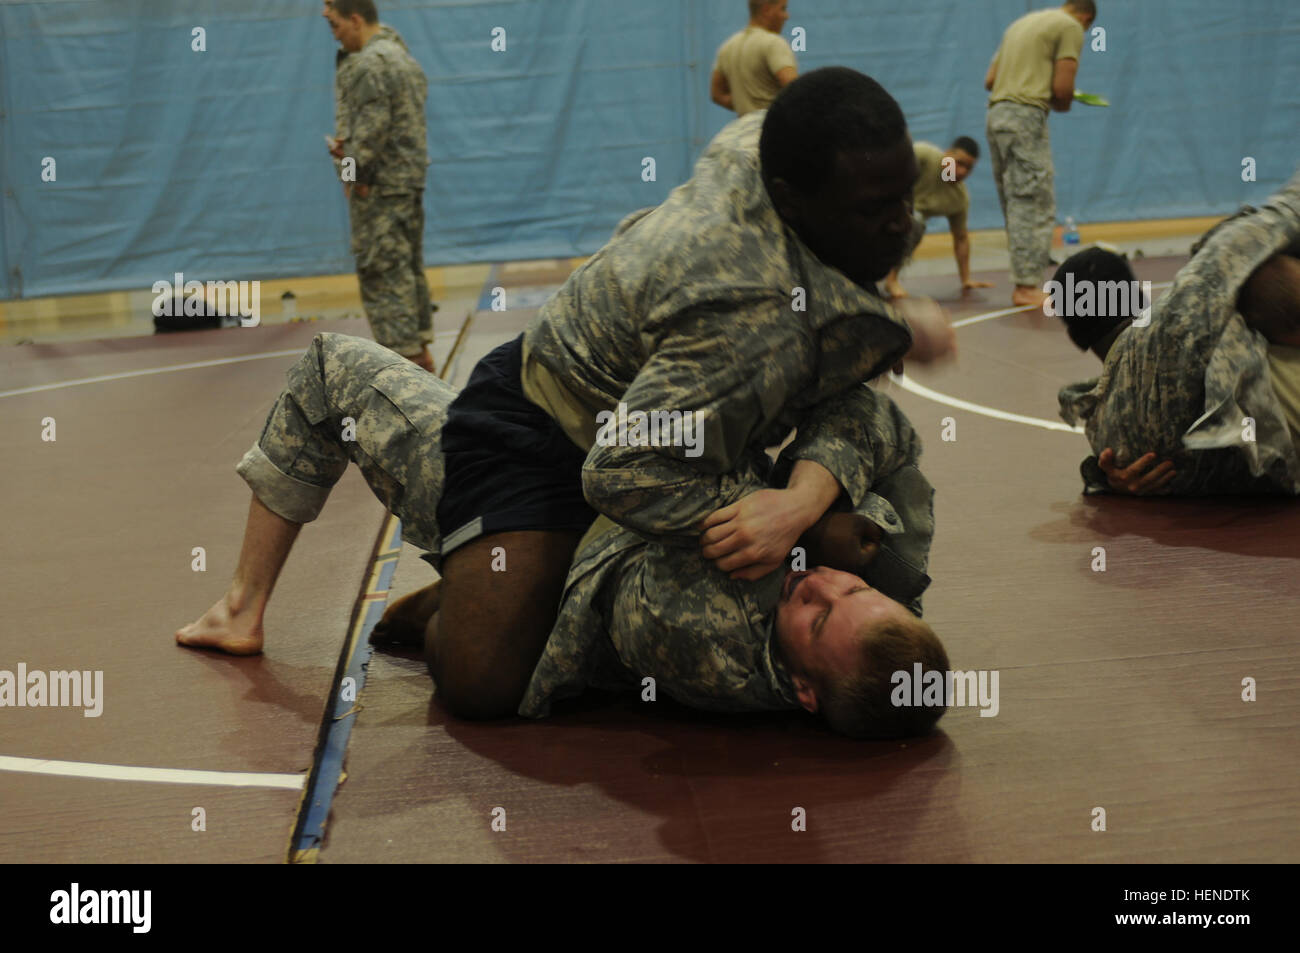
(327, 772)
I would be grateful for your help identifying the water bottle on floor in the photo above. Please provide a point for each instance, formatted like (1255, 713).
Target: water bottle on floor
(1071, 234)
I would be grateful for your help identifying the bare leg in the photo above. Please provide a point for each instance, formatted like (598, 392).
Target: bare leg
(405, 621)
(234, 623)
(491, 627)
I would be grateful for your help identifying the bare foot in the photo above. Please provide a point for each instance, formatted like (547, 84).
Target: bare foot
(221, 628)
(405, 620)
(1027, 296)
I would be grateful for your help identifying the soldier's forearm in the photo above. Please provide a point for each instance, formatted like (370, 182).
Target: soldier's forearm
(656, 496)
(368, 140)
(814, 488)
(961, 252)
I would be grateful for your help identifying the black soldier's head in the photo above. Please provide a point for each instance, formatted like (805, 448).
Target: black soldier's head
(842, 642)
(839, 166)
(1098, 268)
(352, 22)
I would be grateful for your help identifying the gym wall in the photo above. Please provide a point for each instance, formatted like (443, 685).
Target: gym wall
(169, 159)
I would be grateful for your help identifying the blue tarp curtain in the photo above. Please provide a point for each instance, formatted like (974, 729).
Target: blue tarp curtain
(213, 164)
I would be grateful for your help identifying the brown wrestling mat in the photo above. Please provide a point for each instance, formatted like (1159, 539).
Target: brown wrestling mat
(1119, 690)
(100, 525)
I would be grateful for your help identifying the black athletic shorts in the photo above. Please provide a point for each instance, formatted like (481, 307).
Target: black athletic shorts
(509, 466)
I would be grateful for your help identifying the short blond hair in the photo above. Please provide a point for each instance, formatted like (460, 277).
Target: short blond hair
(859, 704)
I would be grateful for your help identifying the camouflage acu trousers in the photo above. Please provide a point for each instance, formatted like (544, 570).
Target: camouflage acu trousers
(387, 243)
(348, 399)
(1021, 154)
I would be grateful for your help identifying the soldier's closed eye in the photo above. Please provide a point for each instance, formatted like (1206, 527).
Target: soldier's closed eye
(821, 619)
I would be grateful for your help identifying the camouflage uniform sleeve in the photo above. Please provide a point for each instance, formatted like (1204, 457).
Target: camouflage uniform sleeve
(859, 436)
(865, 440)
(732, 390)
(1229, 254)
(703, 638)
(370, 122)
(341, 69)
(627, 221)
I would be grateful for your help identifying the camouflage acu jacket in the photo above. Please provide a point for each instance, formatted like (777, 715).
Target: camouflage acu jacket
(379, 96)
(708, 303)
(634, 607)
(1194, 385)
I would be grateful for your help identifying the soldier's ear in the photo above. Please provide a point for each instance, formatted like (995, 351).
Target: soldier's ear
(805, 692)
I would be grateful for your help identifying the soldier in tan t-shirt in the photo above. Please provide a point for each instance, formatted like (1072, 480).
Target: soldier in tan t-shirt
(939, 190)
(1032, 71)
(756, 63)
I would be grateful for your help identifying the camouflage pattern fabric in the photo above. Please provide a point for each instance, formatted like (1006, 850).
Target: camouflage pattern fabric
(397, 412)
(692, 306)
(634, 607)
(631, 606)
(1184, 386)
(1021, 155)
(380, 94)
(388, 243)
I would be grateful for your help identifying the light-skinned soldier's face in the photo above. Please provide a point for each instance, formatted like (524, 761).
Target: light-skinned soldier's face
(1085, 19)
(821, 615)
(346, 31)
(860, 220)
(963, 163)
(774, 15)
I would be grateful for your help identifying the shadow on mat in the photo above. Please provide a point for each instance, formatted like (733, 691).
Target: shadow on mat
(724, 786)
(269, 681)
(1263, 527)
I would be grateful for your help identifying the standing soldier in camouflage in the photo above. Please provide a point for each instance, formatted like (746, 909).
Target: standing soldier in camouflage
(756, 63)
(1033, 69)
(380, 151)
(1209, 380)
